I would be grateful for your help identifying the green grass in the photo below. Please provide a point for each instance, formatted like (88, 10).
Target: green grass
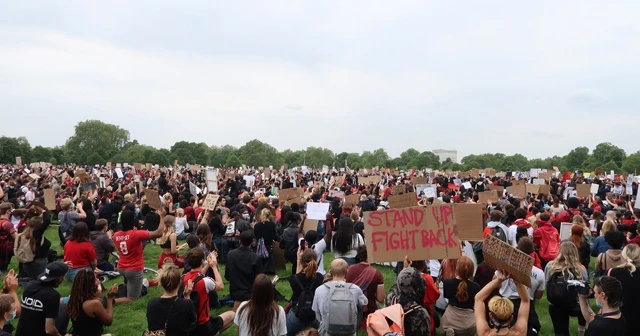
(130, 319)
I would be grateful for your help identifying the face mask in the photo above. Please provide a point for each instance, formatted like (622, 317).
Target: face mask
(137, 211)
(13, 316)
(598, 303)
(245, 216)
(21, 204)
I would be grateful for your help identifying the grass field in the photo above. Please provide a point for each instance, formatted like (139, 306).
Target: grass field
(130, 319)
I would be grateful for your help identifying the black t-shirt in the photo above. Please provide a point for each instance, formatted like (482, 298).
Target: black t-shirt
(39, 302)
(266, 230)
(4, 333)
(314, 282)
(216, 227)
(182, 315)
(450, 287)
(606, 326)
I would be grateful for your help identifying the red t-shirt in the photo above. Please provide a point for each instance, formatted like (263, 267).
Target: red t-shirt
(203, 288)
(129, 245)
(188, 211)
(197, 211)
(80, 254)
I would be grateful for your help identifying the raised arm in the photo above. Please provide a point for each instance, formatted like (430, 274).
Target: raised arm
(523, 313)
(482, 327)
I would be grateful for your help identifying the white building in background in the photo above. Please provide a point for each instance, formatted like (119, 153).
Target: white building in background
(446, 154)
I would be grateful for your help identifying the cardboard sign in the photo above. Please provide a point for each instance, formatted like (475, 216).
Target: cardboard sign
(318, 184)
(317, 211)
(310, 225)
(18, 160)
(637, 203)
(565, 230)
(468, 220)
(499, 189)
(210, 202)
(402, 201)
(369, 180)
(49, 198)
(487, 197)
(291, 194)
(351, 200)
(503, 256)
(419, 180)
(532, 188)
(398, 189)
(467, 185)
(153, 199)
(417, 232)
(119, 172)
(278, 255)
(584, 190)
(519, 190)
(34, 176)
(544, 189)
(539, 181)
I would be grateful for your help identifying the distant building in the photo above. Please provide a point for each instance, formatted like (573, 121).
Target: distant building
(446, 154)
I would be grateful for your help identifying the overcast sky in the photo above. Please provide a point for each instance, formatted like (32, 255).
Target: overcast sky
(538, 78)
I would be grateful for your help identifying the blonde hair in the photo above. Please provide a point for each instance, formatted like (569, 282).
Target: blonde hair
(578, 220)
(501, 307)
(608, 226)
(265, 214)
(167, 197)
(631, 254)
(65, 204)
(168, 229)
(339, 268)
(180, 212)
(568, 258)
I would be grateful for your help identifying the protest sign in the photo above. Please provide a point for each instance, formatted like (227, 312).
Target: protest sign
(419, 180)
(594, 188)
(352, 200)
(637, 204)
(629, 189)
(398, 189)
(565, 230)
(503, 256)
(584, 190)
(317, 211)
(119, 172)
(249, 180)
(499, 189)
(153, 199)
(336, 194)
(467, 185)
(310, 224)
(338, 181)
(50, 198)
(544, 189)
(487, 197)
(149, 166)
(137, 166)
(519, 190)
(34, 176)
(89, 186)
(291, 194)
(419, 233)
(539, 181)
(210, 202)
(544, 176)
(18, 160)
(193, 189)
(532, 188)
(369, 179)
(402, 201)
(469, 220)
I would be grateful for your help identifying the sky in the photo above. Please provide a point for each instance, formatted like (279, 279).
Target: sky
(537, 78)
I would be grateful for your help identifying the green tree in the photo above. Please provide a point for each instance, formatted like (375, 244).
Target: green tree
(425, 160)
(233, 161)
(576, 158)
(219, 155)
(606, 152)
(12, 147)
(257, 153)
(316, 157)
(632, 163)
(406, 157)
(95, 139)
(41, 154)
(191, 152)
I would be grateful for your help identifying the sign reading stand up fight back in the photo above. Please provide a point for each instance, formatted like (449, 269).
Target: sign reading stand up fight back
(417, 232)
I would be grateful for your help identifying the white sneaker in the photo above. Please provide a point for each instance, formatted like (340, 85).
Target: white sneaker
(145, 282)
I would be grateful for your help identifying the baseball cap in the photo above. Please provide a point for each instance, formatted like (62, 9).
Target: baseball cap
(53, 271)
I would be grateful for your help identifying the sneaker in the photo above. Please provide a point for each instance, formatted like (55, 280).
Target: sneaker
(449, 332)
(145, 282)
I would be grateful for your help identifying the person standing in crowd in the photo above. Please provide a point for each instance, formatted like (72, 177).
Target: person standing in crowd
(306, 280)
(243, 265)
(563, 303)
(68, 218)
(103, 243)
(629, 276)
(369, 279)
(612, 258)
(501, 310)
(546, 239)
(79, 251)
(176, 315)
(205, 325)
(131, 262)
(217, 232)
(7, 236)
(85, 309)
(261, 315)
(41, 302)
(345, 241)
(609, 321)
(460, 291)
(328, 310)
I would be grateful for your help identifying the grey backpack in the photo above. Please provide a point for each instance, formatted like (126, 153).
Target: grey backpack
(341, 312)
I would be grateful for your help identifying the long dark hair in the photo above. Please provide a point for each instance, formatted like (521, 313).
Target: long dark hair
(263, 309)
(80, 233)
(204, 234)
(343, 238)
(84, 288)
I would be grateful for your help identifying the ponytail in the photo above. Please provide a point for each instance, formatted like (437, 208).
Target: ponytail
(462, 294)
(310, 269)
(309, 263)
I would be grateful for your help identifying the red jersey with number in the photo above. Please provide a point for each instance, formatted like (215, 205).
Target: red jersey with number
(129, 245)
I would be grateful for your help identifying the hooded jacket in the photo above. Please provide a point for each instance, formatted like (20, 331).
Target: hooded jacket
(610, 259)
(547, 239)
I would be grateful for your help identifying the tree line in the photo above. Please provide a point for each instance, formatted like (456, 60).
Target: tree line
(96, 142)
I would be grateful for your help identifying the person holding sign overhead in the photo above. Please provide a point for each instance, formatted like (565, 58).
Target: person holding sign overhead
(501, 310)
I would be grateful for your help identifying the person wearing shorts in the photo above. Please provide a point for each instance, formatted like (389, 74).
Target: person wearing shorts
(129, 245)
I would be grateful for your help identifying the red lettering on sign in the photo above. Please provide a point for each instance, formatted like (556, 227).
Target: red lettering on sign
(375, 218)
(442, 214)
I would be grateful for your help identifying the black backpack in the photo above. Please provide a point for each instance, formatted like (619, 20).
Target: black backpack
(303, 309)
(499, 232)
(194, 297)
(558, 293)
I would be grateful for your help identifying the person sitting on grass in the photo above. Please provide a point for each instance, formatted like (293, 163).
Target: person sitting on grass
(131, 262)
(181, 226)
(501, 310)
(243, 265)
(176, 315)
(261, 315)
(168, 242)
(85, 308)
(79, 252)
(103, 243)
(206, 325)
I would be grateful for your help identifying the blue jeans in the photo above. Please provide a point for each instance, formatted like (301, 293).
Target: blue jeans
(106, 267)
(182, 235)
(350, 261)
(71, 274)
(222, 245)
(294, 325)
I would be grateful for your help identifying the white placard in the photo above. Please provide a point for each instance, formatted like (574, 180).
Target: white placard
(212, 185)
(212, 174)
(594, 188)
(637, 205)
(533, 172)
(539, 181)
(629, 190)
(317, 211)
(249, 180)
(231, 229)
(457, 182)
(119, 172)
(193, 189)
(467, 185)
(565, 231)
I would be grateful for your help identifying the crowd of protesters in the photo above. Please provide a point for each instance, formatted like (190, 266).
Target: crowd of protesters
(106, 220)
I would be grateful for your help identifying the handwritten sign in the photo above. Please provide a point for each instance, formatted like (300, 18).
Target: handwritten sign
(352, 200)
(210, 202)
(503, 256)
(417, 232)
(402, 201)
(398, 189)
(489, 196)
(292, 195)
(419, 180)
(498, 188)
(532, 188)
(369, 180)
(153, 199)
(584, 190)
(544, 189)
(519, 190)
